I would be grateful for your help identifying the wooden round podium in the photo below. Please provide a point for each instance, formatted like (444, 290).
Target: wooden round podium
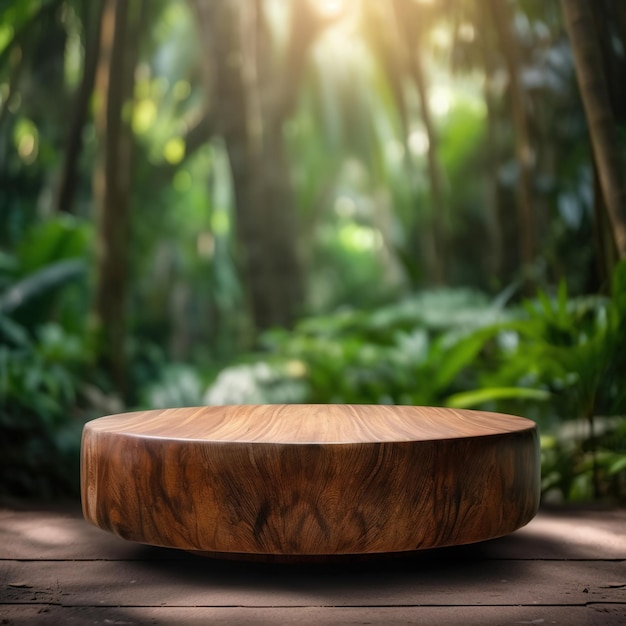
(298, 482)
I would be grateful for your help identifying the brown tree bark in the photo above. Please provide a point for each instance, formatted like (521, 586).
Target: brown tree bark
(600, 117)
(112, 181)
(254, 99)
(494, 219)
(503, 20)
(68, 178)
(439, 209)
(411, 39)
(606, 254)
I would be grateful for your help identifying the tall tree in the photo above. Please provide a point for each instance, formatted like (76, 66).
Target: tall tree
(503, 20)
(121, 21)
(594, 92)
(494, 218)
(254, 92)
(408, 19)
(74, 143)
(399, 48)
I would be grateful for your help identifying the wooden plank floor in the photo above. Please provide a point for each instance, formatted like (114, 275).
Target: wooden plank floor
(568, 566)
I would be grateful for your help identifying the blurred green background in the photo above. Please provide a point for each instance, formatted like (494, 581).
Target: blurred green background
(346, 201)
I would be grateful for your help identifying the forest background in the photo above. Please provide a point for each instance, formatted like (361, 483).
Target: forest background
(395, 201)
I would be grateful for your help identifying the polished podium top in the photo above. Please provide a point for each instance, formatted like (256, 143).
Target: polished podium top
(311, 423)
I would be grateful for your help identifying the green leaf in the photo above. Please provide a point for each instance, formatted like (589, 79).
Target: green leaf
(468, 399)
(617, 465)
(460, 356)
(13, 332)
(39, 282)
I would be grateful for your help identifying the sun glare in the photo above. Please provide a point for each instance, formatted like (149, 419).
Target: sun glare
(440, 101)
(331, 8)
(418, 142)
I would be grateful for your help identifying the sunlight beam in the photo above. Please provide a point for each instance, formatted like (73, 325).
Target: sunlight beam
(331, 8)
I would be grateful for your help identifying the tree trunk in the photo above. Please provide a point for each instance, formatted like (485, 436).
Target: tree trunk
(597, 104)
(524, 152)
(74, 145)
(112, 182)
(494, 220)
(249, 113)
(439, 215)
(606, 254)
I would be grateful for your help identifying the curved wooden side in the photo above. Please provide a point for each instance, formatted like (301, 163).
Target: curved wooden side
(309, 499)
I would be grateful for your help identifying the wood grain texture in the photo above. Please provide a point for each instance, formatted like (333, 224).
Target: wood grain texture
(309, 480)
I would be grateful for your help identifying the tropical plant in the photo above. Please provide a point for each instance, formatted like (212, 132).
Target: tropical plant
(44, 355)
(41, 383)
(418, 351)
(573, 352)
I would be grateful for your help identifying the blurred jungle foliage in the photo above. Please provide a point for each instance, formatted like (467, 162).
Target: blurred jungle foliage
(359, 201)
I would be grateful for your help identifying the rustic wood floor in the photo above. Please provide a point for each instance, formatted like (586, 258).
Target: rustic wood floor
(568, 566)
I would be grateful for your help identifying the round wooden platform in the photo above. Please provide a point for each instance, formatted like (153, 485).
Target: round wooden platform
(304, 481)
